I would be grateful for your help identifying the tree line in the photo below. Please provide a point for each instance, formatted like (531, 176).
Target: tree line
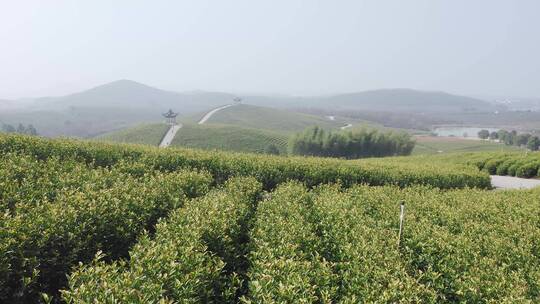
(315, 141)
(21, 129)
(512, 138)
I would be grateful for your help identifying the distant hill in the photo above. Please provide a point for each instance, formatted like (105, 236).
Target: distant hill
(126, 103)
(131, 94)
(387, 100)
(270, 119)
(8, 104)
(407, 100)
(111, 106)
(127, 93)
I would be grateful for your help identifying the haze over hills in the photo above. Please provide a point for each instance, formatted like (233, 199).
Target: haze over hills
(402, 100)
(517, 103)
(408, 100)
(131, 94)
(124, 103)
(128, 93)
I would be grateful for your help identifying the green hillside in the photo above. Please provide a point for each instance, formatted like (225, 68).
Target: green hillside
(270, 119)
(437, 145)
(148, 134)
(211, 136)
(229, 138)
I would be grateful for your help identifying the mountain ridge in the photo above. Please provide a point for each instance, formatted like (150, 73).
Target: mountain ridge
(129, 93)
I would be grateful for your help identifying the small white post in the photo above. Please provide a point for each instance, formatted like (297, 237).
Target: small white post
(401, 219)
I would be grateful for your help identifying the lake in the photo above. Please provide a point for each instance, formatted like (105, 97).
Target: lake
(461, 131)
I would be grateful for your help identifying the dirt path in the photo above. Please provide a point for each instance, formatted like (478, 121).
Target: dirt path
(510, 182)
(209, 114)
(169, 136)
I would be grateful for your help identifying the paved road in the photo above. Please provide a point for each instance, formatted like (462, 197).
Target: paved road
(169, 136)
(209, 114)
(510, 182)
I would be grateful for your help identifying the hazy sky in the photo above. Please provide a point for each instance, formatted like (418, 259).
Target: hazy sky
(491, 47)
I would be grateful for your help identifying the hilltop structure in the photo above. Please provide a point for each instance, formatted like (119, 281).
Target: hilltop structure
(170, 117)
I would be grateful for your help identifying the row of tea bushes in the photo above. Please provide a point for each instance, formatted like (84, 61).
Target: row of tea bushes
(358, 235)
(39, 247)
(525, 165)
(331, 245)
(269, 170)
(285, 263)
(26, 181)
(463, 246)
(196, 255)
(476, 247)
(459, 246)
(424, 170)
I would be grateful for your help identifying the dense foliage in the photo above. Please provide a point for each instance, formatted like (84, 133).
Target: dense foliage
(53, 221)
(196, 256)
(269, 170)
(353, 144)
(525, 165)
(513, 138)
(459, 246)
(286, 265)
(331, 245)
(21, 129)
(131, 224)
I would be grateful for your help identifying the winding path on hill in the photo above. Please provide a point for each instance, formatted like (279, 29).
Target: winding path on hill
(209, 114)
(510, 182)
(169, 136)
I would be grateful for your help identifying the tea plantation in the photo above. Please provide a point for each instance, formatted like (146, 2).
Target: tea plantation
(87, 222)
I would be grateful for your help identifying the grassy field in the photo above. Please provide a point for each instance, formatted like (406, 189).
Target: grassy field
(439, 145)
(228, 138)
(270, 119)
(150, 134)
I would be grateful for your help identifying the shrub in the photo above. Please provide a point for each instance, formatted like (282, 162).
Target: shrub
(502, 169)
(42, 244)
(527, 170)
(195, 256)
(354, 144)
(269, 170)
(285, 265)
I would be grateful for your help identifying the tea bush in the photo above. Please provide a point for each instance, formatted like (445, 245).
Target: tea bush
(269, 170)
(40, 245)
(284, 260)
(195, 256)
(524, 165)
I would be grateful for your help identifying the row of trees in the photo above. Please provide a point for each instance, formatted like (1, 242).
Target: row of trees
(21, 129)
(512, 138)
(316, 141)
